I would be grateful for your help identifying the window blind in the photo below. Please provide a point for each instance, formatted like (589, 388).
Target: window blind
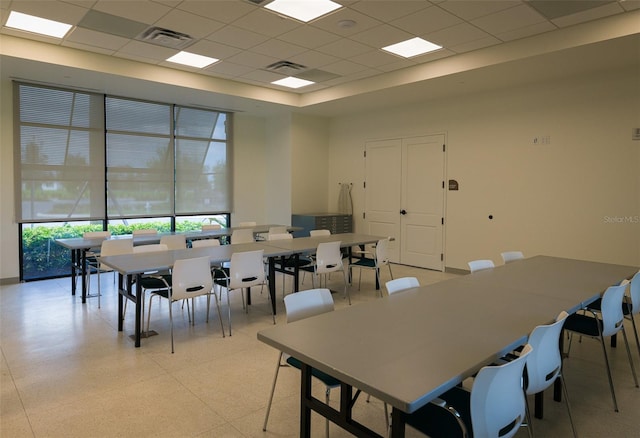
(59, 143)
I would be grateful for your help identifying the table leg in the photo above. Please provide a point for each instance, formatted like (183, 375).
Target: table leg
(83, 272)
(121, 298)
(74, 262)
(138, 309)
(397, 423)
(272, 283)
(305, 394)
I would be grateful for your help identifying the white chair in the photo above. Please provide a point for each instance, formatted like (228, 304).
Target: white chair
(190, 278)
(289, 263)
(246, 269)
(247, 224)
(400, 284)
(242, 235)
(145, 232)
(111, 247)
(607, 322)
(544, 364)
(319, 233)
(92, 254)
(495, 407)
(479, 265)
(511, 256)
(210, 227)
(150, 280)
(328, 259)
(174, 241)
(200, 243)
(380, 258)
(298, 306)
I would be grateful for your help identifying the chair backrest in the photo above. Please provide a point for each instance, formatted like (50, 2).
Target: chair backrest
(280, 229)
(328, 257)
(190, 278)
(316, 233)
(634, 293)
(247, 224)
(244, 235)
(153, 247)
(382, 252)
(612, 316)
(497, 399)
(204, 242)
(399, 284)
(144, 231)
(511, 256)
(307, 303)
(279, 236)
(96, 234)
(174, 241)
(246, 269)
(544, 363)
(116, 247)
(209, 227)
(478, 265)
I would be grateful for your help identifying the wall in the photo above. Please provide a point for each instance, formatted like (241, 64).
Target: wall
(9, 266)
(277, 163)
(562, 198)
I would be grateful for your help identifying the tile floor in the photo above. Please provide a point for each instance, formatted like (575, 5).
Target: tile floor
(68, 372)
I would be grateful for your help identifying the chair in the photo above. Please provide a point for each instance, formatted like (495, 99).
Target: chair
(328, 259)
(494, 408)
(544, 364)
(400, 284)
(242, 235)
(380, 258)
(630, 305)
(246, 269)
(145, 232)
(210, 227)
(247, 224)
(511, 256)
(150, 280)
(298, 306)
(607, 322)
(92, 254)
(200, 243)
(479, 265)
(111, 247)
(190, 278)
(174, 241)
(288, 263)
(317, 233)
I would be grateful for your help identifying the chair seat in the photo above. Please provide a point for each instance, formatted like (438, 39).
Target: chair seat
(291, 262)
(323, 377)
(597, 305)
(154, 282)
(364, 262)
(436, 422)
(587, 325)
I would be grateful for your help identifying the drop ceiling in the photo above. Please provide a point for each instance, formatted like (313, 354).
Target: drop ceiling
(341, 51)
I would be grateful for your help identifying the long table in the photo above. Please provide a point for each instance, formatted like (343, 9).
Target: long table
(80, 246)
(130, 267)
(410, 347)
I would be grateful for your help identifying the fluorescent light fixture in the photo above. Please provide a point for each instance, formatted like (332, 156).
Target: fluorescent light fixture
(192, 60)
(31, 23)
(292, 82)
(413, 47)
(303, 10)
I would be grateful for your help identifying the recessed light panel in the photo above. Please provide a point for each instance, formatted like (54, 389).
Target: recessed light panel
(192, 60)
(31, 23)
(292, 82)
(303, 10)
(413, 47)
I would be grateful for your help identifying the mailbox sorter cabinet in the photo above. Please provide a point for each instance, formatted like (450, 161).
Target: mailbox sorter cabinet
(334, 222)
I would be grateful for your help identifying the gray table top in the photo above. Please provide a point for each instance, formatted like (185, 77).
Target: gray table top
(408, 348)
(309, 244)
(82, 243)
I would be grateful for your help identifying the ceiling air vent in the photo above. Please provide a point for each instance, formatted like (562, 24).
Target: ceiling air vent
(286, 67)
(165, 38)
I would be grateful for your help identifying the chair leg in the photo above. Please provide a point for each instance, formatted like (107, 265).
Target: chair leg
(346, 290)
(529, 422)
(633, 368)
(635, 332)
(606, 361)
(273, 390)
(327, 393)
(171, 321)
(566, 399)
(229, 311)
(215, 297)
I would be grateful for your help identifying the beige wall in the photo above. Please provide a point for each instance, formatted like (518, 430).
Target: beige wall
(9, 266)
(557, 199)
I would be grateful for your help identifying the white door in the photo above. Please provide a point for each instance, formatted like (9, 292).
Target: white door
(422, 203)
(404, 197)
(382, 191)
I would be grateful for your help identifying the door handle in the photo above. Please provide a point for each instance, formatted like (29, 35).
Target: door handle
(403, 212)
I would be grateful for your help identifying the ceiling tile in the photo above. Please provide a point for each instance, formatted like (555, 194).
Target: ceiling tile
(313, 59)
(229, 69)
(344, 48)
(279, 49)
(225, 11)
(344, 68)
(213, 50)
(331, 23)
(236, 37)
(262, 76)
(426, 21)
(148, 51)
(63, 12)
(389, 10)
(508, 20)
(266, 23)
(382, 36)
(475, 45)
(455, 35)
(308, 36)
(375, 58)
(190, 24)
(590, 14)
(527, 31)
(252, 59)
(138, 10)
(96, 39)
(472, 9)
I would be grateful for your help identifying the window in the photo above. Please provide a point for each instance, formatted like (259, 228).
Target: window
(89, 160)
(59, 141)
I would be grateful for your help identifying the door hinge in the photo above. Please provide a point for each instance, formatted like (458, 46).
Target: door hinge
(443, 184)
(365, 154)
(442, 221)
(444, 148)
(364, 184)
(364, 215)
(441, 257)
